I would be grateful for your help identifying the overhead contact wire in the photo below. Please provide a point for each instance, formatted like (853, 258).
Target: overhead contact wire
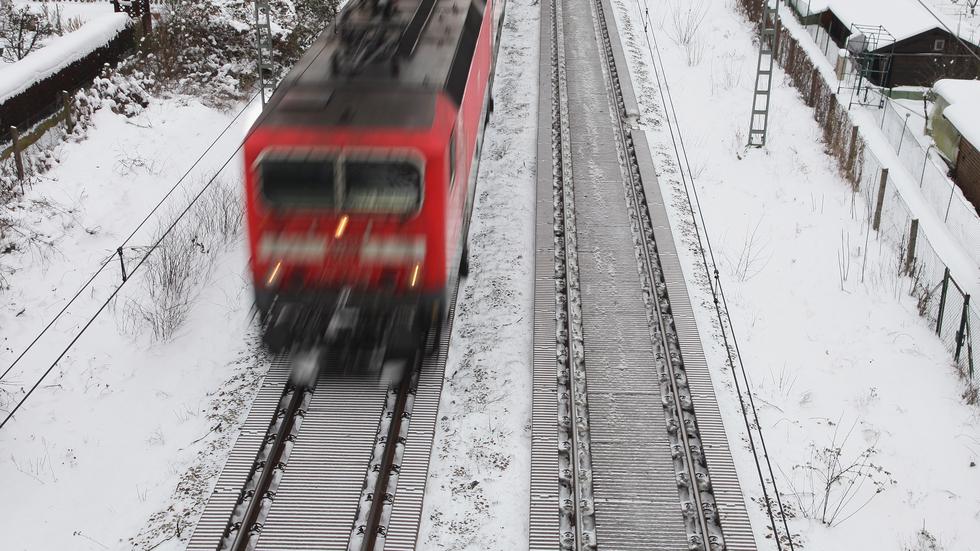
(716, 288)
(124, 242)
(140, 263)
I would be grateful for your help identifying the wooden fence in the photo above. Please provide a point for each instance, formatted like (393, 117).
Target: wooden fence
(35, 104)
(19, 143)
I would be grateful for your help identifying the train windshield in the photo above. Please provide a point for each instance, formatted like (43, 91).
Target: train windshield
(308, 183)
(382, 186)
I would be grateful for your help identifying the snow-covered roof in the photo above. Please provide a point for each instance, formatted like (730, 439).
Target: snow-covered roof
(59, 53)
(963, 112)
(901, 18)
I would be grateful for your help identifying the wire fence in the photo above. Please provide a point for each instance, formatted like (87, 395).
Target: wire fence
(898, 252)
(939, 190)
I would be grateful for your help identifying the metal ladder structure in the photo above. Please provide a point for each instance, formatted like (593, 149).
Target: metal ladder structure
(763, 78)
(266, 67)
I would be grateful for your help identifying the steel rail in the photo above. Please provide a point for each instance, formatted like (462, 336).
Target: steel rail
(573, 420)
(388, 466)
(698, 483)
(245, 525)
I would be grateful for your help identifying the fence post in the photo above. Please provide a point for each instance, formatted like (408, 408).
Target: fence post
(15, 140)
(910, 255)
(876, 223)
(814, 74)
(853, 151)
(942, 303)
(961, 334)
(66, 101)
(901, 138)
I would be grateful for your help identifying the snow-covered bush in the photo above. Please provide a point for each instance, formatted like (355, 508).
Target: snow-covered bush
(197, 48)
(208, 49)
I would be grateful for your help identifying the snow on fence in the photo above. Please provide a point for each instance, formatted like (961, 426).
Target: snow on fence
(31, 89)
(19, 143)
(903, 248)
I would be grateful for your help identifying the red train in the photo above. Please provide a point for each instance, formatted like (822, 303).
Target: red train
(361, 171)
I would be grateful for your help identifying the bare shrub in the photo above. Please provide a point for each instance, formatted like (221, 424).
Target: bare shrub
(219, 213)
(22, 31)
(753, 257)
(972, 394)
(924, 541)
(694, 52)
(72, 24)
(731, 70)
(686, 19)
(169, 277)
(175, 272)
(833, 486)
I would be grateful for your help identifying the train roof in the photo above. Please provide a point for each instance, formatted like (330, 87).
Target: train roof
(368, 71)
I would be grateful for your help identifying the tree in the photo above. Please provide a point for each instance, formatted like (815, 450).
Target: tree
(21, 31)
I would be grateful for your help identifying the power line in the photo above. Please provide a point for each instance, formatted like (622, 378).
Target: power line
(125, 241)
(680, 150)
(149, 251)
(115, 292)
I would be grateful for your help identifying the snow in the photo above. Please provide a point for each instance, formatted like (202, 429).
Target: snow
(477, 495)
(963, 97)
(84, 11)
(125, 426)
(829, 337)
(58, 53)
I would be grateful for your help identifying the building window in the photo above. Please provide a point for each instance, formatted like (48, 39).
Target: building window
(939, 45)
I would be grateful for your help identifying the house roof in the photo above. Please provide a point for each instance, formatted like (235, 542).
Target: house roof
(901, 18)
(963, 111)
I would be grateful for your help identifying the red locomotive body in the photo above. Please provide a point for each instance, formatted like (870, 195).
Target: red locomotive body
(361, 171)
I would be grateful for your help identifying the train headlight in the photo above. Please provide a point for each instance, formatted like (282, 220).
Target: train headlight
(274, 274)
(393, 250)
(341, 227)
(416, 271)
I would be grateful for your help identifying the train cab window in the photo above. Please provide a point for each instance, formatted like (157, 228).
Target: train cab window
(382, 186)
(291, 182)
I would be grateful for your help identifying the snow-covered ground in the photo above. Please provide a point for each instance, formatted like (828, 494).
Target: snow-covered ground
(833, 345)
(478, 491)
(125, 423)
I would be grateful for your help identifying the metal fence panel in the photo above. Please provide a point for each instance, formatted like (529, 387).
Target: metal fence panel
(938, 189)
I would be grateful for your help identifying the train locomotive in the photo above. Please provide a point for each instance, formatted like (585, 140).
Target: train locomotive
(361, 172)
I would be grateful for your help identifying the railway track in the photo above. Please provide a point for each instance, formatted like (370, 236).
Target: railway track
(611, 306)
(341, 465)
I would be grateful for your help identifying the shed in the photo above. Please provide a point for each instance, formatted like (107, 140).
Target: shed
(955, 123)
(901, 41)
